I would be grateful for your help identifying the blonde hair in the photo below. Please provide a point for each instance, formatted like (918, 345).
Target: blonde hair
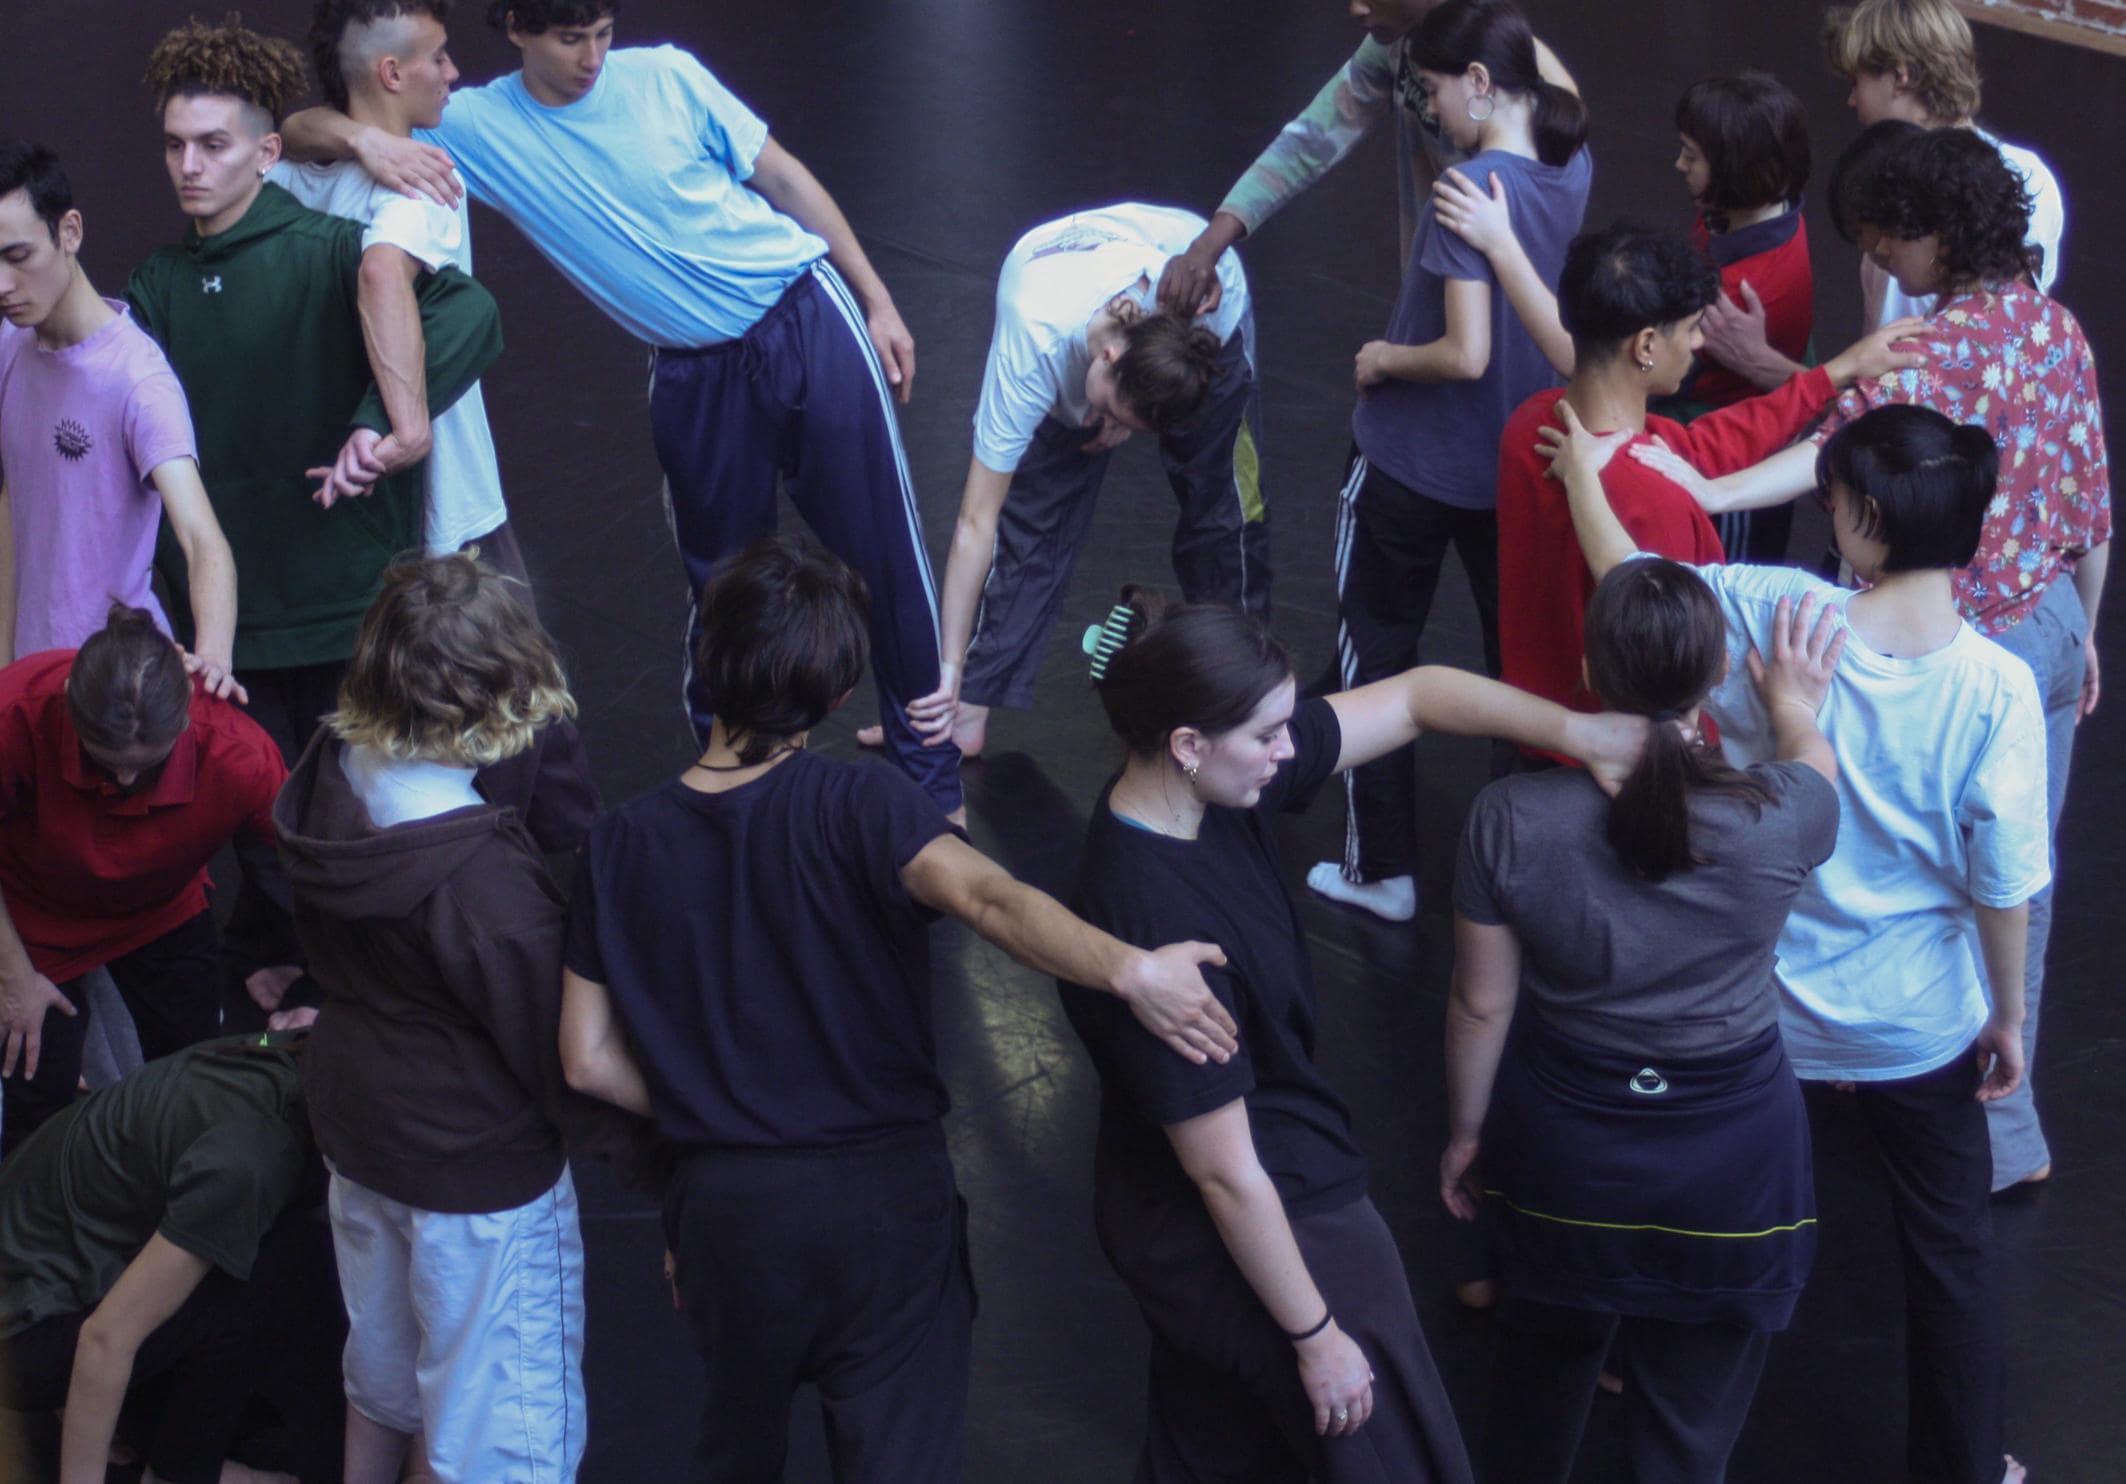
(1929, 39)
(449, 667)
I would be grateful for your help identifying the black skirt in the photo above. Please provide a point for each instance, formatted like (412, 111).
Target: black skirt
(1676, 1190)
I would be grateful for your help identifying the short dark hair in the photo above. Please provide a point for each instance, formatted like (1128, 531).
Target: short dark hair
(1166, 367)
(1656, 642)
(1922, 483)
(127, 686)
(533, 17)
(1201, 665)
(328, 29)
(230, 61)
(33, 169)
(1952, 184)
(1754, 135)
(1627, 277)
(1853, 173)
(784, 635)
(1494, 32)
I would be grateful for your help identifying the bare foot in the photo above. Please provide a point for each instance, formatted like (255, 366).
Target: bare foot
(873, 736)
(2016, 1472)
(970, 729)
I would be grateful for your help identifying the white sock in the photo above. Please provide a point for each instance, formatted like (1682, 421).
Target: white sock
(1393, 898)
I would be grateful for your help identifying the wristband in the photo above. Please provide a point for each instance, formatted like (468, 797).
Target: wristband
(1327, 1319)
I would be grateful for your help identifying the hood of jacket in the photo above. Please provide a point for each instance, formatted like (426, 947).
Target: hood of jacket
(271, 212)
(338, 859)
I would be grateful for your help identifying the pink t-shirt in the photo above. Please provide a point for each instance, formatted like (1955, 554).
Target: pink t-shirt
(80, 430)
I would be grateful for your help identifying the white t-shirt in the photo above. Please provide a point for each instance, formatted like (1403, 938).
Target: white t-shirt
(1941, 791)
(398, 793)
(1055, 280)
(1882, 300)
(464, 485)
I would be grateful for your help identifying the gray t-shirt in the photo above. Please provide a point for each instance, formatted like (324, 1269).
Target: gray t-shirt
(1441, 438)
(1677, 968)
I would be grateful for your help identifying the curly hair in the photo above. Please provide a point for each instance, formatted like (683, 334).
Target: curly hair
(450, 667)
(328, 33)
(227, 61)
(533, 17)
(1953, 185)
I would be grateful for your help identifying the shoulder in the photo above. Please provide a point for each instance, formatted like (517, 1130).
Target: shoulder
(234, 745)
(1534, 413)
(35, 677)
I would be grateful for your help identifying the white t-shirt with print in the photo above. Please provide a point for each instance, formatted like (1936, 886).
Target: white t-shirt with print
(464, 485)
(1941, 789)
(1881, 298)
(1055, 280)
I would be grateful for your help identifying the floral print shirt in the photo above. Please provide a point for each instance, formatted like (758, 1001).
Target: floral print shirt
(2016, 363)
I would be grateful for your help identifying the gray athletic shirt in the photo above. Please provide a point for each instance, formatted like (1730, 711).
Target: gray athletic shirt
(1678, 968)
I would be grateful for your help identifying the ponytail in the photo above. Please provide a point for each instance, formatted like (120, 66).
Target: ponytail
(1656, 645)
(127, 686)
(1560, 122)
(1201, 665)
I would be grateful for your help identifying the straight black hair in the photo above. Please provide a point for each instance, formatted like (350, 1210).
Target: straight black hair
(534, 17)
(1754, 135)
(1920, 483)
(1627, 277)
(1495, 33)
(784, 635)
(1656, 642)
(1201, 665)
(35, 169)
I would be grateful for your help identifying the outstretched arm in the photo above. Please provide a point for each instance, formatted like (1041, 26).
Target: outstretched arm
(153, 1286)
(1217, 1149)
(407, 166)
(1378, 718)
(1164, 987)
(974, 537)
(794, 191)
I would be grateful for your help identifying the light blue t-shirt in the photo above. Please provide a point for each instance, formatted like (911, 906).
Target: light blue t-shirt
(636, 192)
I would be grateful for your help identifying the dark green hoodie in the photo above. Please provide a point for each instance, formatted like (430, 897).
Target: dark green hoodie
(261, 325)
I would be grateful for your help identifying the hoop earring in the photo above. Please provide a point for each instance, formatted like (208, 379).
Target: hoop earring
(1490, 107)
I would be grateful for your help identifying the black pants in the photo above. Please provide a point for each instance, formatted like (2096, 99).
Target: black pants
(196, 1375)
(1931, 1143)
(1686, 1397)
(1226, 1404)
(172, 987)
(847, 1269)
(1390, 544)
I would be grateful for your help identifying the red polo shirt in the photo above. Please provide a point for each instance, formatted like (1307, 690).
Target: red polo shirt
(1544, 582)
(90, 874)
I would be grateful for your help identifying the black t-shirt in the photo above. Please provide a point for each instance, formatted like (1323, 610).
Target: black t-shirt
(205, 1147)
(772, 974)
(1223, 887)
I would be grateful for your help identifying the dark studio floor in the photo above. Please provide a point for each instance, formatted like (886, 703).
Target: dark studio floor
(945, 127)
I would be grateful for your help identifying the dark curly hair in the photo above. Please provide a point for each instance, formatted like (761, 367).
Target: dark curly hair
(227, 61)
(1754, 135)
(1627, 277)
(1953, 185)
(328, 29)
(1853, 174)
(1166, 367)
(536, 16)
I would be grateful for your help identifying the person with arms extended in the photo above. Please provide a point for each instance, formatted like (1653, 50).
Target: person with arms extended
(121, 777)
(1079, 360)
(95, 444)
(749, 966)
(1619, 1106)
(1232, 1197)
(1901, 966)
(778, 353)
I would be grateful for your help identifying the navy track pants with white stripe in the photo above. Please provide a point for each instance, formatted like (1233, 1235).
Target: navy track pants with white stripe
(800, 395)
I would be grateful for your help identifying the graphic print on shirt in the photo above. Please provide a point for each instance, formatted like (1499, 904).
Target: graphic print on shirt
(72, 440)
(1079, 237)
(210, 285)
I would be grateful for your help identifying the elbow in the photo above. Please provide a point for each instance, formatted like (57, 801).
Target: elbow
(1470, 362)
(580, 1067)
